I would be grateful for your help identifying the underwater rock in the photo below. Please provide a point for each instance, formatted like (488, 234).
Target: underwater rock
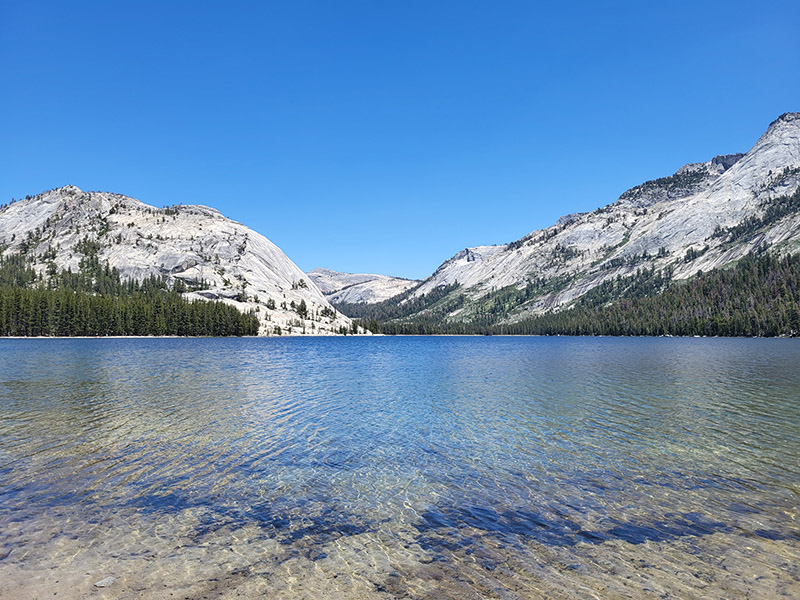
(105, 582)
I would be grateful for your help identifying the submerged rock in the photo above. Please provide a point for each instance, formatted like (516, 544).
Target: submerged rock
(105, 582)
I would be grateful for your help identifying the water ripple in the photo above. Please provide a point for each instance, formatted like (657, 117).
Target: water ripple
(491, 466)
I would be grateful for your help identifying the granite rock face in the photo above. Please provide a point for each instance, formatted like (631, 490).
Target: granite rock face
(194, 243)
(358, 288)
(674, 222)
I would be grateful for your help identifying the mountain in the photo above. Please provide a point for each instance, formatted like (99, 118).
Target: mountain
(358, 288)
(704, 216)
(217, 258)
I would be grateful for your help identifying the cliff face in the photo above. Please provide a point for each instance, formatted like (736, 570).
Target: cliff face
(193, 243)
(685, 222)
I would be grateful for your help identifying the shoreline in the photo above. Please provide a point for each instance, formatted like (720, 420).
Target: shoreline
(386, 335)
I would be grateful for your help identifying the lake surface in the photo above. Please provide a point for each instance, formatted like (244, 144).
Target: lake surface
(400, 468)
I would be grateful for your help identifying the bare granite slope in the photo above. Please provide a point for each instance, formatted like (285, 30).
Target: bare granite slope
(193, 243)
(356, 288)
(677, 222)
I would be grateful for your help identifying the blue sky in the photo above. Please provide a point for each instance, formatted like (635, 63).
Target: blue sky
(384, 136)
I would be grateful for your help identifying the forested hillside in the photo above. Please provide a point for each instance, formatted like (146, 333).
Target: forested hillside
(758, 296)
(193, 246)
(705, 216)
(96, 302)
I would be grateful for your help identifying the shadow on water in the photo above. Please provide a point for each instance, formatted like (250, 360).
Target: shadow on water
(286, 522)
(456, 525)
(322, 526)
(438, 528)
(448, 446)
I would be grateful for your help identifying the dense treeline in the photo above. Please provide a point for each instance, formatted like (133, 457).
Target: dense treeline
(96, 302)
(397, 307)
(47, 312)
(759, 296)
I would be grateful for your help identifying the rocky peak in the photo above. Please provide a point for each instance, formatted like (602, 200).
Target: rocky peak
(776, 150)
(726, 161)
(787, 117)
(69, 190)
(566, 219)
(687, 180)
(787, 125)
(689, 168)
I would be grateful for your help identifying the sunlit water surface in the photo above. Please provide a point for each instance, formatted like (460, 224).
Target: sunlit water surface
(400, 468)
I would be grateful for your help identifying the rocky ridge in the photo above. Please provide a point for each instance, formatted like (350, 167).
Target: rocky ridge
(358, 288)
(685, 222)
(218, 257)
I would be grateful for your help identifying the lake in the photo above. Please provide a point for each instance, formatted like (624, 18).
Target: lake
(411, 467)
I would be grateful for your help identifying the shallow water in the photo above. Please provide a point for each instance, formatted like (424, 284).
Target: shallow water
(400, 468)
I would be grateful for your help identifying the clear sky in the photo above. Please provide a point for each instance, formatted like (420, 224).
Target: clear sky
(381, 136)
